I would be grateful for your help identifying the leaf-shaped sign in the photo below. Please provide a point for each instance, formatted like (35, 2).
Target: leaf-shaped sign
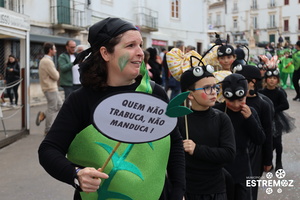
(174, 108)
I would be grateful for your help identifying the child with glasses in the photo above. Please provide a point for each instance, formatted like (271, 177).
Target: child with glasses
(209, 137)
(247, 129)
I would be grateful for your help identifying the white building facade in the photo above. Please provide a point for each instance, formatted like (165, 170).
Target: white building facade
(161, 23)
(260, 21)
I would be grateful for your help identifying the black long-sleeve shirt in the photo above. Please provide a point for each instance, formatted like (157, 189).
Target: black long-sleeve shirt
(76, 114)
(246, 130)
(278, 97)
(213, 134)
(265, 112)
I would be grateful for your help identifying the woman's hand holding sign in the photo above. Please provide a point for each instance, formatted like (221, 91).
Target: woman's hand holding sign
(90, 179)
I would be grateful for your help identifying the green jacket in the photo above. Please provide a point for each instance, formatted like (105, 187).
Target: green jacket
(296, 60)
(65, 70)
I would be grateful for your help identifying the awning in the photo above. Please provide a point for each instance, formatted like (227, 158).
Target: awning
(50, 38)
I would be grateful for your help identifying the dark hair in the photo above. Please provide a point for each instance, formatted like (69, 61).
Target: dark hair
(93, 71)
(67, 43)
(153, 53)
(16, 60)
(47, 46)
(146, 56)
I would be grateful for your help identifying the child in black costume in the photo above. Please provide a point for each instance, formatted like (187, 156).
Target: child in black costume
(279, 99)
(247, 128)
(260, 155)
(209, 143)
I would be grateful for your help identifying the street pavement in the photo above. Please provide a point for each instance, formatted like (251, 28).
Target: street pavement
(22, 177)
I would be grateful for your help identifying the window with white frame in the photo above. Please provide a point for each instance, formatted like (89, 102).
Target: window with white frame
(175, 9)
(235, 7)
(272, 21)
(235, 23)
(218, 22)
(209, 20)
(255, 24)
(254, 4)
(286, 25)
(272, 3)
(286, 2)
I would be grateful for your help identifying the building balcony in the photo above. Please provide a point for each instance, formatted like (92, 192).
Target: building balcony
(218, 24)
(13, 5)
(235, 10)
(235, 29)
(66, 18)
(272, 26)
(146, 19)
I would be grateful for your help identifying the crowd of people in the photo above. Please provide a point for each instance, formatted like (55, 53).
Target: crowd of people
(236, 122)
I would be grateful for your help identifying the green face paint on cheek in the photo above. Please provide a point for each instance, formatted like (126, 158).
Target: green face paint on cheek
(123, 60)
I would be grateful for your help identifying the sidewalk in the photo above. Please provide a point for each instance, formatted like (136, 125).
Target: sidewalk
(12, 120)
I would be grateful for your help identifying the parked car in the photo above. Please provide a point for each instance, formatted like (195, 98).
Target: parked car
(241, 42)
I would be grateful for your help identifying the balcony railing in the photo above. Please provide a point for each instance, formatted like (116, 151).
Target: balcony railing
(146, 19)
(235, 10)
(14, 5)
(272, 25)
(218, 24)
(68, 18)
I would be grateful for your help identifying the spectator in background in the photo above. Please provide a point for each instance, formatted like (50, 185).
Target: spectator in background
(296, 74)
(240, 55)
(162, 53)
(155, 66)
(146, 59)
(190, 48)
(49, 77)
(65, 62)
(12, 76)
(164, 72)
(270, 48)
(80, 48)
(75, 68)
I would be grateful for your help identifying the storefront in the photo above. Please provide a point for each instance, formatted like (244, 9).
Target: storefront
(159, 44)
(14, 29)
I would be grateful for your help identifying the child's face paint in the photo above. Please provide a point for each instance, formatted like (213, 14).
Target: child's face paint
(123, 60)
(203, 96)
